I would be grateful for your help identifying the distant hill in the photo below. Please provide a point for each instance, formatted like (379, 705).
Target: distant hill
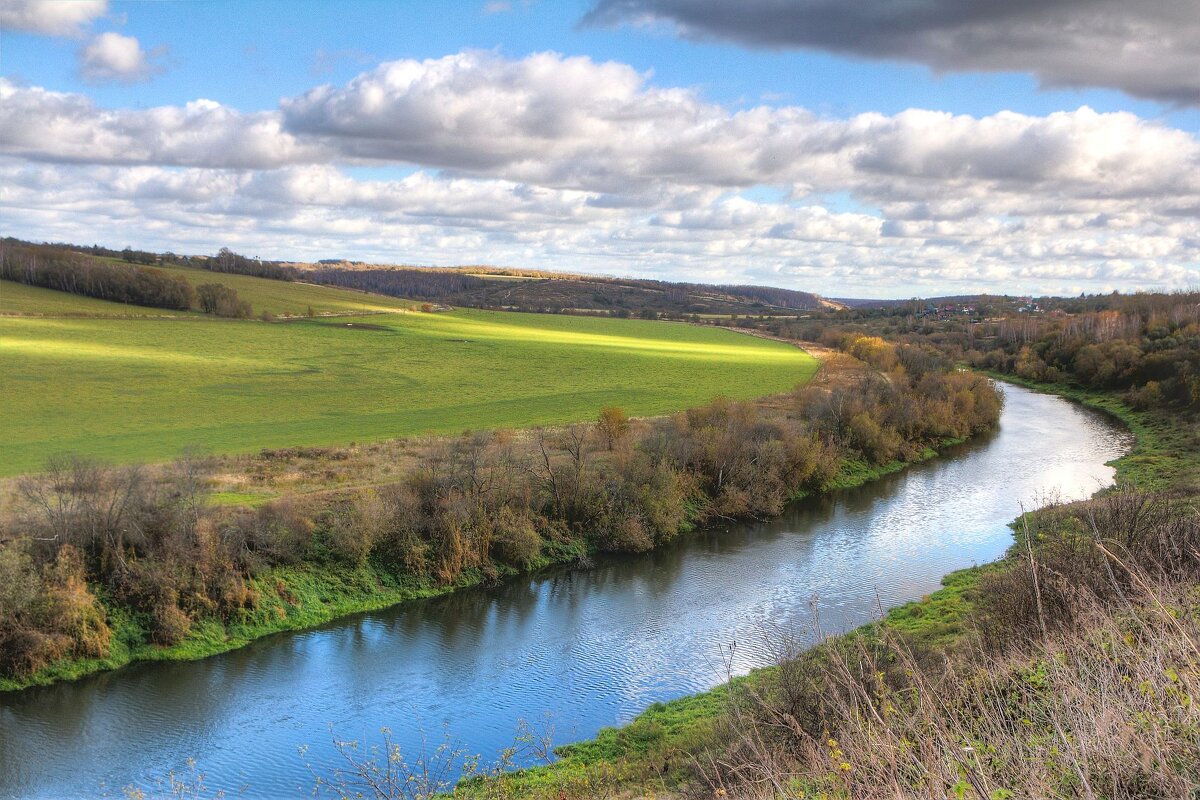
(525, 290)
(480, 286)
(858, 302)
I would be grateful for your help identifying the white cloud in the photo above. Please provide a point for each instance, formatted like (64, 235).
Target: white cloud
(113, 58)
(50, 17)
(566, 162)
(53, 126)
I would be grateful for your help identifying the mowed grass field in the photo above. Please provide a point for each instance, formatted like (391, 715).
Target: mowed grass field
(146, 388)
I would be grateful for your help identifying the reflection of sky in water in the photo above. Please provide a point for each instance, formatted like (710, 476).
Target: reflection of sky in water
(592, 648)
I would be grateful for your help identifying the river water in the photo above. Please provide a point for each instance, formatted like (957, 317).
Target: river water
(582, 649)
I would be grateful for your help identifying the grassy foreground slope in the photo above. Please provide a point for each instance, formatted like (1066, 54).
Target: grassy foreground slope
(143, 389)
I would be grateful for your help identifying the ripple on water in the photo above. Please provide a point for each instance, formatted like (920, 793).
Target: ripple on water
(593, 648)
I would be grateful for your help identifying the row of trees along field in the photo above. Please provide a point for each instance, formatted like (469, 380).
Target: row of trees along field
(1144, 346)
(63, 270)
(159, 553)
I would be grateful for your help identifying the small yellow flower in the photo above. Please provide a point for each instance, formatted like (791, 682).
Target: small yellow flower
(844, 767)
(832, 743)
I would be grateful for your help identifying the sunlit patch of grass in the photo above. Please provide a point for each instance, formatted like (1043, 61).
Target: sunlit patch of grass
(145, 389)
(248, 499)
(74, 350)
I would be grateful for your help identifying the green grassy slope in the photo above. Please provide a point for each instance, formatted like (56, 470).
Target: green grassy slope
(278, 297)
(292, 298)
(17, 298)
(143, 389)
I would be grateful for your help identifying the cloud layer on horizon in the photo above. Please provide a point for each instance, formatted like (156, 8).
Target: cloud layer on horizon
(567, 162)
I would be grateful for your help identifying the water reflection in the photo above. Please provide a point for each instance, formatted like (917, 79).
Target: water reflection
(591, 647)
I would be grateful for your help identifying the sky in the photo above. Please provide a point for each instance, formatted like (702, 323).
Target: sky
(881, 148)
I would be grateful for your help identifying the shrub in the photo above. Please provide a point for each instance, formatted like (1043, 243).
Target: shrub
(613, 425)
(515, 540)
(169, 625)
(219, 299)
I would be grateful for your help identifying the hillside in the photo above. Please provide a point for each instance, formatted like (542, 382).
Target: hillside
(537, 291)
(17, 299)
(476, 286)
(22, 294)
(126, 389)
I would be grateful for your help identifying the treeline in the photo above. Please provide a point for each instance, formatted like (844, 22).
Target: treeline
(417, 284)
(230, 262)
(481, 506)
(1145, 346)
(767, 295)
(545, 292)
(64, 271)
(128, 254)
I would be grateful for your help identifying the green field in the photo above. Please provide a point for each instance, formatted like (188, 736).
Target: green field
(285, 297)
(17, 298)
(143, 389)
(278, 297)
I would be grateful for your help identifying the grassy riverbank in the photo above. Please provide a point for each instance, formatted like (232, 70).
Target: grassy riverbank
(169, 563)
(654, 754)
(293, 598)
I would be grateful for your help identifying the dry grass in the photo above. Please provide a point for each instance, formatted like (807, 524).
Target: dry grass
(1095, 697)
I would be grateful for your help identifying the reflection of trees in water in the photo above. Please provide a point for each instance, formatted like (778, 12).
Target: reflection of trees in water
(155, 712)
(465, 655)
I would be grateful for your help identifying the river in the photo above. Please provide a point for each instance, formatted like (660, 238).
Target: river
(587, 647)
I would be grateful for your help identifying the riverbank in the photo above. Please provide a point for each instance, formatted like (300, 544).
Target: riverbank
(655, 752)
(587, 646)
(345, 580)
(302, 597)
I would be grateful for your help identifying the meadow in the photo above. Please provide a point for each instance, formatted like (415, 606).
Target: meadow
(20, 299)
(146, 388)
(281, 298)
(293, 298)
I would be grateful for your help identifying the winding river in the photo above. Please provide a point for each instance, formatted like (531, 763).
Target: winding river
(589, 648)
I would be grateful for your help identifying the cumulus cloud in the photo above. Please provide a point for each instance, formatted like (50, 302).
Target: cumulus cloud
(113, 58)
(50, 17)
(566, 162)
(1149, 48)
(576, 123)
(43, 125)
(573, 123)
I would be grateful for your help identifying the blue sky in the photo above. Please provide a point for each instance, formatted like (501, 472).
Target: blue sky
(249, 54)
(251, 57)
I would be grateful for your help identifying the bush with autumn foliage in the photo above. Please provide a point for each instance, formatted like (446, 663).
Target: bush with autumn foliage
(87, 539)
